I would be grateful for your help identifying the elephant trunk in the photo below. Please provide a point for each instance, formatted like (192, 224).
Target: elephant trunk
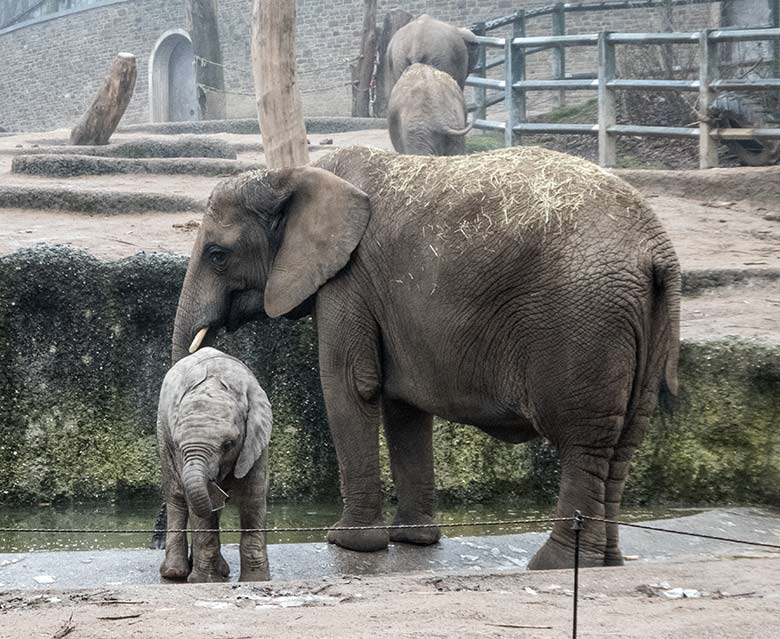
(183, 329)
(195, 479)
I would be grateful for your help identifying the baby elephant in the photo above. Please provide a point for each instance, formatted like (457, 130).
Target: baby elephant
(426, 114)
(213, 427)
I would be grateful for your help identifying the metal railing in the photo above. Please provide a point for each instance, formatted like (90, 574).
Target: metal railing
(514, 87)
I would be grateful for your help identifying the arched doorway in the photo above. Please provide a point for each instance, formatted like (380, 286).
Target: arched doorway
(172, 91)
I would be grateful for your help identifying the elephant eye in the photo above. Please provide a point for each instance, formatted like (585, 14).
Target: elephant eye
(227, 445)
(217, 256)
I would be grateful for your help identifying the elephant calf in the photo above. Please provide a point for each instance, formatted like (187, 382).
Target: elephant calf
(426, 114)
(213, 427)
(429, 41)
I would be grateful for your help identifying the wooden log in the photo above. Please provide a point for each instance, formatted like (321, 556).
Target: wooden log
(201, 20)
(101, 119)
(363, 68)
(394, 20)
(279, 107)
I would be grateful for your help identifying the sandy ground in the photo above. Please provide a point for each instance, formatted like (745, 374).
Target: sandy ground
(712, 224)
(739, 598)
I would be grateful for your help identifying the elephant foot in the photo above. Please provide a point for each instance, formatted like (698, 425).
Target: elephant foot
(175, 570)
(201, 577)
(260, 574)
(554, 556)
(359, 540)
(613, 557)
(420, 536)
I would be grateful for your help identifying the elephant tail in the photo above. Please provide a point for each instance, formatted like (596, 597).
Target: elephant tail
(667, 281)
(458, 132)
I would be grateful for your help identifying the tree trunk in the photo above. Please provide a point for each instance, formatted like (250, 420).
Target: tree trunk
(363, 68)
(279, 108)
(201, 18)
(103, 116)
(394, 20)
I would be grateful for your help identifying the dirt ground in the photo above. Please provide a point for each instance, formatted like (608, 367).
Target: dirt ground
(720, 219)
(726, 220)
(736, 597)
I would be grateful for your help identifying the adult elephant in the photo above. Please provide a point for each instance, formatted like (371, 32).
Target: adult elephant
(426, 114)
(426, 40)
(523, 291)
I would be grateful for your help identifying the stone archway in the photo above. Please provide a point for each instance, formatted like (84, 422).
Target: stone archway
(172, 89)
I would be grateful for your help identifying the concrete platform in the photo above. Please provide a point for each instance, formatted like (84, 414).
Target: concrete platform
(453, 555)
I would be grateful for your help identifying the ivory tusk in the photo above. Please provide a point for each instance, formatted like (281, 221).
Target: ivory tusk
(198, 339)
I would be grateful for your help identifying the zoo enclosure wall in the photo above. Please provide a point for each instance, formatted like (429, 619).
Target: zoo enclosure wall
(53, 63)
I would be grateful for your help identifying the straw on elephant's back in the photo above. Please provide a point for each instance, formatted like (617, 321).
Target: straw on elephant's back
(521, 187)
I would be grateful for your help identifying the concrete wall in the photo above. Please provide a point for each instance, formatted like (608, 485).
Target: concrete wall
(84, 346)
(51, 68)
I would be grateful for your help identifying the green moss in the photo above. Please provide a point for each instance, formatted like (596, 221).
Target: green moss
(84, 346)
(720, 441)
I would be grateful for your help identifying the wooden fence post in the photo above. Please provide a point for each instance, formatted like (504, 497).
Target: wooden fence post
(559, 52)
(607, 110)
(394, 20)
(201, 20)
(363, 67)
(102, 117)
(481, 92)
(514, 71)
(708, 71)
(279, 107)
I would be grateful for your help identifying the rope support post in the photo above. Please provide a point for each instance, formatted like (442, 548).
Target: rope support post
(578, 523)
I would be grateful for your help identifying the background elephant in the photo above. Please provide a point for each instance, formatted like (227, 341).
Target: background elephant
(213, 427)
(523, 291)
(426, 114)
(426, 40)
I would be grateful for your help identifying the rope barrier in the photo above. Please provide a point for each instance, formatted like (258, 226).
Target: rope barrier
(578, 521)
(464, 524)
(139, 531)
(300, 72)
(684, 533)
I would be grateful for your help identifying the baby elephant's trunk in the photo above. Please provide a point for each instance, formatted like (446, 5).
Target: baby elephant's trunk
(195, 479)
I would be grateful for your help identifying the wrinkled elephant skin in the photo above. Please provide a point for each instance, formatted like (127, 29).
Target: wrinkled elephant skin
(522, 291)
(213, 427)
(426, 114)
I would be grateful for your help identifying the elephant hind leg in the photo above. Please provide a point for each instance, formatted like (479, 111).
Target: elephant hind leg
(585, 468)
(409, 433)
(629, 441)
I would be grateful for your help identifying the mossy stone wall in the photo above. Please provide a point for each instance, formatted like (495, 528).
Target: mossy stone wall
(84, 346)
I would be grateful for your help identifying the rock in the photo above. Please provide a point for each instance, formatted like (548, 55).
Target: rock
(326, 141)
(680, 593)
(44, 579)
(530, 590)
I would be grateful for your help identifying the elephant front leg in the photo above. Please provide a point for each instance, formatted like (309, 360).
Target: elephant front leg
(176, 564)
(354, 425)
(252, 509)
(409, 433)
(207, 562)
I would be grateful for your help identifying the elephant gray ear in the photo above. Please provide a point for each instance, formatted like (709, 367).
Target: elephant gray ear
(472, 47)
(258, 429)
(325, 218)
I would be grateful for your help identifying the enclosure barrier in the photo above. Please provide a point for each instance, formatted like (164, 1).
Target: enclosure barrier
(557, 14)
(514, 85)
(578, 521)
